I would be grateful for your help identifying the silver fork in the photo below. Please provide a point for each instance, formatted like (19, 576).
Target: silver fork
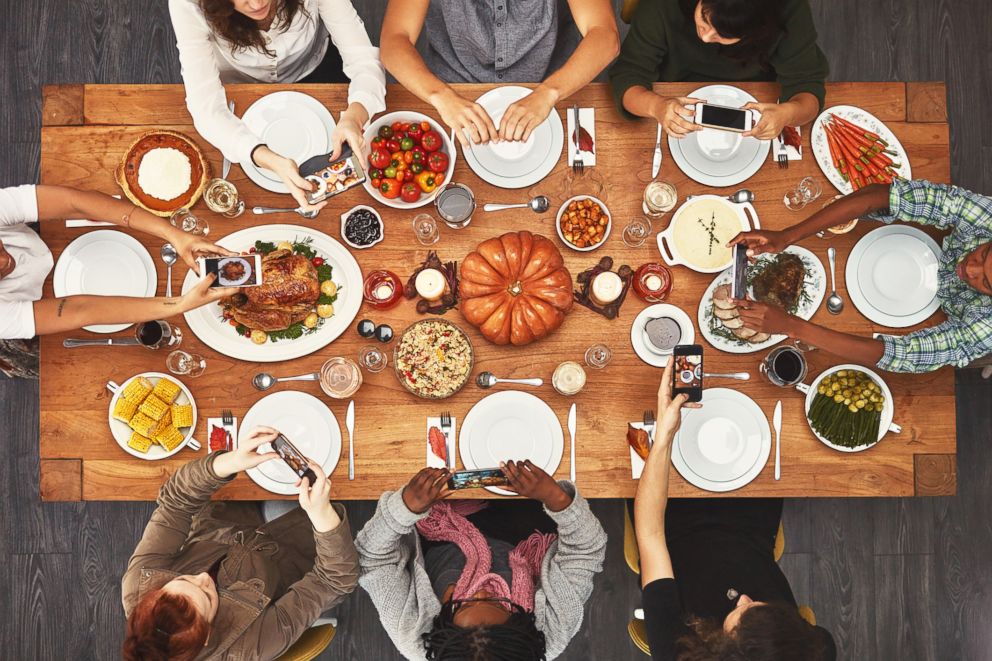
(446, 429)
(577, 165)
(227, 419)
(649, 425)
(783, 156)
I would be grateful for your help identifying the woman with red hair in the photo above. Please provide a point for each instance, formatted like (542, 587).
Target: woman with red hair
(213, 580)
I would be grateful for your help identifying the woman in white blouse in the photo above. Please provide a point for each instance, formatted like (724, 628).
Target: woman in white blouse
(25, 262)
(274, 41)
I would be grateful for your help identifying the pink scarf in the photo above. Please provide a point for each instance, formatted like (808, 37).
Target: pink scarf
(447, 522)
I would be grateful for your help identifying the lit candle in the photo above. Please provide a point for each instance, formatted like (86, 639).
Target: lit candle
(384, 291)
(606, 288)
(430, 284)
(652, 282)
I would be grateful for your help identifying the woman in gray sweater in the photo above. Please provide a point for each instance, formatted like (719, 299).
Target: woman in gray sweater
(467, 580)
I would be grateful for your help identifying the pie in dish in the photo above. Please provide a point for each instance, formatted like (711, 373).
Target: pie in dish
(163, 171)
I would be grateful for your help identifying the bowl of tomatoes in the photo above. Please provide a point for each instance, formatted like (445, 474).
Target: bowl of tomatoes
(409, 158)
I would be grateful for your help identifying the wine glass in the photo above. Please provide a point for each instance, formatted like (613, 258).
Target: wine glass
(598, 356)
(636, 232)
(221, 197)
(807, 190)
(182, 363)
(660, 197)
(372, 358)
(425, 229)
(187, 222)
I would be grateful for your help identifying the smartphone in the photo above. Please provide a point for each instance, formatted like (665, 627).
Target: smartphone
(329, 177)
(296, 460)
(739, 288)
(687, 375)
(237, 271)
(724, 118)
(486, 477)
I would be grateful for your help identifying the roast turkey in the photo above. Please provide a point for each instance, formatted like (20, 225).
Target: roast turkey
(288, 292)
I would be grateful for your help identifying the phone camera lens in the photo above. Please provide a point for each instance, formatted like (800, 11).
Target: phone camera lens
(384, 333)
(366, 328)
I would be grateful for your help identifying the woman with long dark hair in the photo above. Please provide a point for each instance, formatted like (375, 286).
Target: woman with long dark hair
(712, 590)
(721, 40)
(470, 580)
(213, 580)
(274, 41)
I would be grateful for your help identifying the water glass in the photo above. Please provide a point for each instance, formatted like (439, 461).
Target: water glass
(373, 359)
(660, 197)
(455, 203)
(221, 197)
(181, 363)
(805, 192)
(158, 334)
(187, 222)
(598, 356)
(636, 232)
(425, 229)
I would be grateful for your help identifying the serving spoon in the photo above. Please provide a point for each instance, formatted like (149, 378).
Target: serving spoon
(834, 303)
(539, 204)
(310, 215)
(169, 256)
(488, 380)
(742, 196)
(264, 380)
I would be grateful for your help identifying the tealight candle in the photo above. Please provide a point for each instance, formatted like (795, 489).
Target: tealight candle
(606, 288)
(430, 284)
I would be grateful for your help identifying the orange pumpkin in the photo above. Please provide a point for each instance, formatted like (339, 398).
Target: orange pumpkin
(515, 288)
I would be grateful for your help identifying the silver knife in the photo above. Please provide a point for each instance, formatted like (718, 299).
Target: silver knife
(656, 163)
(777, 424)
(349, 422)
(571, 452)
(226, 166)
(70, 343)
(450, 449)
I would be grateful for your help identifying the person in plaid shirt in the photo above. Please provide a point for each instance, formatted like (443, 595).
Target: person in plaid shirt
(965, 277)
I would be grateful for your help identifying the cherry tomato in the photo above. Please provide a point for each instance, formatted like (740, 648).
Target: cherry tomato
(376, 181)
(375, 173)
(416, 168)
(406, 144)
(385, 132)
(431, 141)
(407, 175)
(410, 192)
(415, 131)
(390, 172)
(252, 249)
(379, 158)
(419, 155)
(408, 157)
(390, 189)
(233, 322)
(437, 161)
(376, 143)
(392, 146)
(317, 261)
(397, 127)
(425, 126)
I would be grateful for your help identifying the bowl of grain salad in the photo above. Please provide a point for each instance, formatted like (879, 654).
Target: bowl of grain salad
(433, 358)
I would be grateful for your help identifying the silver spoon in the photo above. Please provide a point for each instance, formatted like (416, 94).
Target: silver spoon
(539, 204)
(742, 196)
(258, 211)
(488, 380)
(264, 380)
(169, 256)
(834, 303)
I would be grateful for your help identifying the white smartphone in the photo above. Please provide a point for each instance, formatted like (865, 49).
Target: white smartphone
(724, 118)
(238, 271)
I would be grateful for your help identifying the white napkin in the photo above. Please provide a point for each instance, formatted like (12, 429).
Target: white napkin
(219, 422)
(791, 153)
(434, 461)
(80, 222)
(636, 463)
(587, 118)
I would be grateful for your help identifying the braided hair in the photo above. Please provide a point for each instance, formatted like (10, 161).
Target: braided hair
(518, 639)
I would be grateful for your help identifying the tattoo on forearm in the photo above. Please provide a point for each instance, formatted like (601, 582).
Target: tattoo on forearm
(61, 305)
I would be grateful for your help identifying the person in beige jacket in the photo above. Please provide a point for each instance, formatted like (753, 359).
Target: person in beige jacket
(213, 581)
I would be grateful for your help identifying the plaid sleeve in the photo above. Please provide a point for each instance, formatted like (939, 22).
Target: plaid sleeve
(950, 343)
(940, 205)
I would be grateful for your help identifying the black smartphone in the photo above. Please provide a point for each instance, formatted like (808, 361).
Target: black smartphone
(486, 477)
(295, 459)
(237, 271)
(687, 373)
(739, 288)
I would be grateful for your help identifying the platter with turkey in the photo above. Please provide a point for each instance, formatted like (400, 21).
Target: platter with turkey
(793, 280)
(310, 293)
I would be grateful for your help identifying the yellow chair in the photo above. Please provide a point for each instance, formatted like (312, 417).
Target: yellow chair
(639, 635)
(313, 641)
(627, 11)
(630, 552)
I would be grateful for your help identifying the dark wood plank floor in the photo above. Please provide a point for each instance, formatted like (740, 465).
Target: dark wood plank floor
(893, 579)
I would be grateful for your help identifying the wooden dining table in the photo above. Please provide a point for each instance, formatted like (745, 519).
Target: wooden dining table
(86, 129)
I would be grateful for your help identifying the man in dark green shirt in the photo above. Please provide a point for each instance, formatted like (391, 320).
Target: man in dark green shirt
(673, 40)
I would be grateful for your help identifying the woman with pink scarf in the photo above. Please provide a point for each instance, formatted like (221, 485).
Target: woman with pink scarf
(466, 579)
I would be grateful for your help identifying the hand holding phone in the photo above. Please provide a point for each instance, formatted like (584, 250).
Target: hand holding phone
(476, 479)
(739, 288)
(236, 271)
(296, 460)
(426, 488)
(724, 118)
(687, 372)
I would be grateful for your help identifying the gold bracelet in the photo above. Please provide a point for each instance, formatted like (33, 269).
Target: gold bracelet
(126, 218)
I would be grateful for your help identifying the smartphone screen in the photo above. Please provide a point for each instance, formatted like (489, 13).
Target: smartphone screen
(237, 271)
(739, 289)
(295, 459)
(687, 373)
(486, 477)
(729, 118)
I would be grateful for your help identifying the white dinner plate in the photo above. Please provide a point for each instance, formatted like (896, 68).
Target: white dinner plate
(719, 337)
(105, 263)
(719, 158)
(291, 124)
(892, 275)
(516, 164)
(723, 445)
(208, 324)
(639, 340)
(307, 423)
(511, 425)
(121, 431)
(866, 120)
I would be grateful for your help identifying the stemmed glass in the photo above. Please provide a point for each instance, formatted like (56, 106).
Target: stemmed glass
(372, 358)
(187, 222)
(598, 356)
(181, 363)
(221, 197)
(636, 232)
(425, 229)
(807, 190)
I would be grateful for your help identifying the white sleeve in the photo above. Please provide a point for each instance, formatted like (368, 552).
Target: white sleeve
(359, 57)
(205, 96)
(18, 205)
(16, 319)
